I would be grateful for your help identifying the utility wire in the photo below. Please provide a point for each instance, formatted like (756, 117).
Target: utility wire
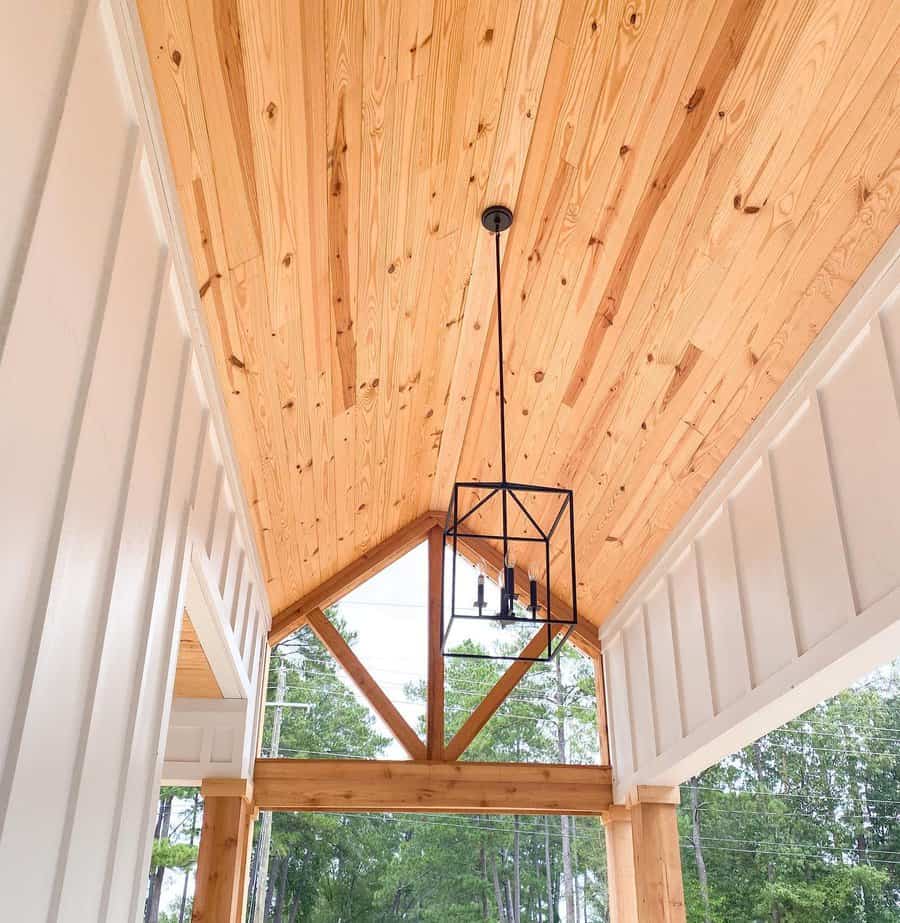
(688, 844)
(822, 795)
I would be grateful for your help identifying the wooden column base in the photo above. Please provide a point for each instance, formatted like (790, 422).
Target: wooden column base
(644, 858)
(620, 865)
(221, 889)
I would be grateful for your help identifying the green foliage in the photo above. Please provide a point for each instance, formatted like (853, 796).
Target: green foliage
(802, 827)
(429, 869)
(173, 915)
(171, 855)
(332, 722)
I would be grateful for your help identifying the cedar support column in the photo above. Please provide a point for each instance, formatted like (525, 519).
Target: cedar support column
(644, 858)
(620, 865)
(221, 890)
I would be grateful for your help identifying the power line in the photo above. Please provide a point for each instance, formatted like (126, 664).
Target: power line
(336, 680)
(844, 750)
(687, 844)
(401, 818)
(473, 690)
(859, 728)
(811, 846)
(749, 812)
(710, 788)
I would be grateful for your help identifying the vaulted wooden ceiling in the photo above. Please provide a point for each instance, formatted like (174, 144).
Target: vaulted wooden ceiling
(696, 183)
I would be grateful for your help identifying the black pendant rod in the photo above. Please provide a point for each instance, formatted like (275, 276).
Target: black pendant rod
(498, 218)
(502, 398)
(500, 353)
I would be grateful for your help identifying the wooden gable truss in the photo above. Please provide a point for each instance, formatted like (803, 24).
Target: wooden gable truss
(308, 611)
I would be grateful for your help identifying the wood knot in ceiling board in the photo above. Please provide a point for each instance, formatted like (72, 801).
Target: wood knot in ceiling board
(683, 369)
(633, 18)
(271, 111)
(865, 192)
(205, 287)
(233, 359)
(176, 58)
(695, 100)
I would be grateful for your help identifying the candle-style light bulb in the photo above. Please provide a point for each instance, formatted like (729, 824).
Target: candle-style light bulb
(510, 577)
(532, 595)
(479, 602)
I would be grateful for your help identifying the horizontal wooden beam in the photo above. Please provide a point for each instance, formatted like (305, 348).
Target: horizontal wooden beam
(495, 698)
(367, 565)
(481, 552)
(363, 680)
(431, 787)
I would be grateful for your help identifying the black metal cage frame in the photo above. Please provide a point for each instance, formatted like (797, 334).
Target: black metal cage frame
(453, 531)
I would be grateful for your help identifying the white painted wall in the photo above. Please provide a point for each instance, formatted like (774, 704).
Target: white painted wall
(115, 469)
(782, 585)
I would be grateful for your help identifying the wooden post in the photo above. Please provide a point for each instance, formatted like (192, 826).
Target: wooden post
(643, 857)
(435, 714)
(620, 865)
(221, 890)
(657, 863)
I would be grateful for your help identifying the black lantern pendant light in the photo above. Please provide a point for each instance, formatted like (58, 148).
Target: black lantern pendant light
(545, 530)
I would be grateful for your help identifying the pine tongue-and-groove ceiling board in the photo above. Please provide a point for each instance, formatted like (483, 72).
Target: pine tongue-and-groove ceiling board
(697, 184)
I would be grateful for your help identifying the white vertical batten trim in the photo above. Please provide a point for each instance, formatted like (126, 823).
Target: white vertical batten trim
(651, 685)
(740, 580)
(679, 677)
(832, 483)
(699, 571)
(783, 553)
(159, 707)
(149, 608)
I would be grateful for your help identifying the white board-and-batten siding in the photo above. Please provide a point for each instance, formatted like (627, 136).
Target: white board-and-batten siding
(782, 585)
(116, 472)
